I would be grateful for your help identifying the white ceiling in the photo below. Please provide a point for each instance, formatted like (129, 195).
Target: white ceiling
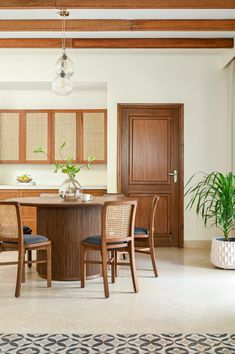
(116, 34)
(119, 14)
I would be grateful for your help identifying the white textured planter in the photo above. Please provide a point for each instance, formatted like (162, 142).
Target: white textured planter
(223, 253)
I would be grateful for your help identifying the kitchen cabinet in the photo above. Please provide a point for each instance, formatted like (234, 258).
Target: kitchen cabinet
(10, 139)
(9, 193)
(83, 131)
(29, 215)
(37, 132)
(94, 136)
(65, 130)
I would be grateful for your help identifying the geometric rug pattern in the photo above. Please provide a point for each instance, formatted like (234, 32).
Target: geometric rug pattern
(117, 343)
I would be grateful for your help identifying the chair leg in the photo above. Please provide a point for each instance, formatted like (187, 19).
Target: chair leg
(23, 271)
(104, 272)
(82, 265)
(19, 273)
(131, 251)
(113, 266)
(48, 250)
(29, 258)
(116, 267)
(153, 258)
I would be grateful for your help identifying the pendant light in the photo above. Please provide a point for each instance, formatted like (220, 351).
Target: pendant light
(62, 84)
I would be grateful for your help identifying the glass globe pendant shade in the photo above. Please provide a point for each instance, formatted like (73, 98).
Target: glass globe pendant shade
(62, 85)
(65, 64)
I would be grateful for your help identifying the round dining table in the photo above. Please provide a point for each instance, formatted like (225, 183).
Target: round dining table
(66, 223)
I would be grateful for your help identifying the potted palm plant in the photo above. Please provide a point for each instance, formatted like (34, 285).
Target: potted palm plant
(214, 199)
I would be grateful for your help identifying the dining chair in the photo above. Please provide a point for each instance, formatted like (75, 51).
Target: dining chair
(117, 234)
(144, 237)
(28, 231)
(13, 239)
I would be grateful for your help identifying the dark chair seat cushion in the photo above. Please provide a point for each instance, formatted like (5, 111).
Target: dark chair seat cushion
(27, 230)
(96, 240)
(141, 231)
(31, 239)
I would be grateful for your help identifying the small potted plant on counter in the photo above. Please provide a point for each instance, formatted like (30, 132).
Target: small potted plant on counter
(214, 199)
(70, 188)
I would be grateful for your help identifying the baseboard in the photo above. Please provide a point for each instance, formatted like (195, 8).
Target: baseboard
(197, 244)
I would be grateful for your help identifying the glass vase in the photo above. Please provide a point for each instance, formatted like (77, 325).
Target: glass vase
(70, 189)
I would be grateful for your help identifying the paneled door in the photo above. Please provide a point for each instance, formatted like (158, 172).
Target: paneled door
(150, 161)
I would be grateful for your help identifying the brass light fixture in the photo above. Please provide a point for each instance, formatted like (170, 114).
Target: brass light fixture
(62, 84)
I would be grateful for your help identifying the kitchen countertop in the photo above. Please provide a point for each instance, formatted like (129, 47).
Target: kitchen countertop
(43, 186)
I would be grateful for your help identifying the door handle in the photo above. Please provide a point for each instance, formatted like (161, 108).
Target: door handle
(175, 175)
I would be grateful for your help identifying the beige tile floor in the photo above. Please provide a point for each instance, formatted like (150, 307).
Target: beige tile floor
(190, 295)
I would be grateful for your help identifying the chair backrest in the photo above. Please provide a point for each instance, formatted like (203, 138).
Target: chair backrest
(118, 219)
(152, 214)
(10, 222)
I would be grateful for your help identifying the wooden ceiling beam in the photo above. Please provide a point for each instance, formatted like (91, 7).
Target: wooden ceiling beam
(118, 25)
(117, 4)
(118, 43)
(153, 43)
(33, 43)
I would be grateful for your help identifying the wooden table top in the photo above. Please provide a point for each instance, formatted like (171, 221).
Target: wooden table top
(59, 202)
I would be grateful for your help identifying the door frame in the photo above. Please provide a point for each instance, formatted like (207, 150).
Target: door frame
(180, 107)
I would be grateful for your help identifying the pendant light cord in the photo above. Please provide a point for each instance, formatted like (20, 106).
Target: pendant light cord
(63, 14)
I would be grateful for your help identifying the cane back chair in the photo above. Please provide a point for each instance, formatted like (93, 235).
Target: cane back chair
(117, 235)
(13, 239)
(144, 237)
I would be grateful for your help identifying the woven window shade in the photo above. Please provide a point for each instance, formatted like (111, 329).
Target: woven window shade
(9, 136)
(65, 131)
(36, 134)
(8, 222)
(93, 135)
(118, 219)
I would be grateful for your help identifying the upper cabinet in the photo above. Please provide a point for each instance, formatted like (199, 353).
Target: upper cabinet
(93, 136)
(65, 130)
(37, 132)
(10, 136)
(83, 131)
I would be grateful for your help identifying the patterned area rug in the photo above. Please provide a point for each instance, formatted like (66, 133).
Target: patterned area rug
(118, 343)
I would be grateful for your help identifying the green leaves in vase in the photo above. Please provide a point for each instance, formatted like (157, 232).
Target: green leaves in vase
(67, 166)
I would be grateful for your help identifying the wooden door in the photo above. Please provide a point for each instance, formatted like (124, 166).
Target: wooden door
(150, 150)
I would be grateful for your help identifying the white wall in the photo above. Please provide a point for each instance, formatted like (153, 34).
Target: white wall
(193, 78)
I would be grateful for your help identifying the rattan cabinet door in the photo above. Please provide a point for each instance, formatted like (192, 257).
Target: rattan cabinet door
(94, 136)
(9, 137)
(65, 131)
(37, 132)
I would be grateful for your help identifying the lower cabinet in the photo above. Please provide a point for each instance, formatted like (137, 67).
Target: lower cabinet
(29, 215)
